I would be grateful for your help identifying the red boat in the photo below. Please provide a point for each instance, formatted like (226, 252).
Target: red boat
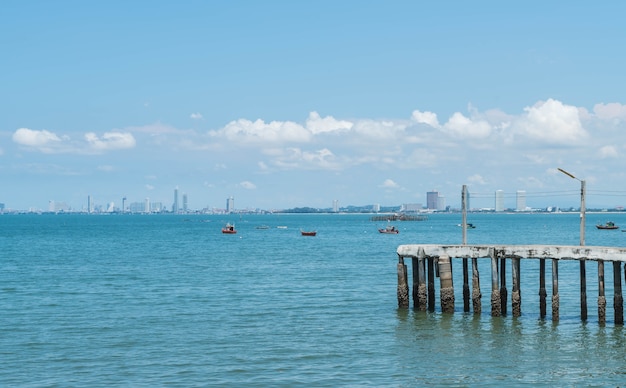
(389, 230)
(229, 229)
(309, 233)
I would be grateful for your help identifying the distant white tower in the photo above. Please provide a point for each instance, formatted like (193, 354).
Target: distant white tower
(230, 204)
(521, 201)
(499, 200)
(185, 203)
(175, 205)
(147, 205)
(335, 206)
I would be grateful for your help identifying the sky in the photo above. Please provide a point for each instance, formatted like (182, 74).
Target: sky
(284, 104)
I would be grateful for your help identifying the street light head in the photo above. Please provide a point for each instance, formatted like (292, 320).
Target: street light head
(568, 174)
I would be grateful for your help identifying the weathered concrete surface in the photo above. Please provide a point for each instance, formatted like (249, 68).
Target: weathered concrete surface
(564, 252)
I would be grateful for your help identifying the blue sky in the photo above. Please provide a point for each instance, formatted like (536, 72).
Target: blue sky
(298, 103)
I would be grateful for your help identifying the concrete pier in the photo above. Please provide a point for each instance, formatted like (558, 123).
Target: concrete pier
(439, 260)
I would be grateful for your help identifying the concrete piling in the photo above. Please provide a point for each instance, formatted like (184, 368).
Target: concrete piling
(601, 296)
(446, 288)
(403, 285)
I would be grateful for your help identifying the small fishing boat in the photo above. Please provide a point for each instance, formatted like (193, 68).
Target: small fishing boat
(390, 229)
(608, 225)
(308, 233)
(468, 225)
(229, 229)
(262, 227)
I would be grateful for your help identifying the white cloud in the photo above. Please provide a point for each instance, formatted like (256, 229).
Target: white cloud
(463, 127)
(610, 111)
(429, 118)
(551, 122)
(247, 185)
(110, 141)
(246, 131)
(37, 139)
(316, 124)
(196, 116)
(389, 184)
(149, 187)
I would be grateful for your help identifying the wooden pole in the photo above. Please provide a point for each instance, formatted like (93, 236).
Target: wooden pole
(601, 297)
(516, 298)
(496, 308)
(618, 299)
(403, 287)
(555, 289)
(466, 291)
(446, 288)
(476, 295)
(503, 291)
(542, 288)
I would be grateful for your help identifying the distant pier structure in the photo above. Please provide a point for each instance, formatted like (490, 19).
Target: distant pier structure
(431, 261)
(400, 217)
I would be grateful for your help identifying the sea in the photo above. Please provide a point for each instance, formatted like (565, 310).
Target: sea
(154, 300)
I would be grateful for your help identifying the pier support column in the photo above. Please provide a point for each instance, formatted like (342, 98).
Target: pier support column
(542, 288)
(601, 297)
(403, 286)
(466, 291)
(496, 306)
(555, 289)
(431, 284)
(583, 291)
(446, 289)
(516, 297)
(618, 299)
(421, 291)
(415, 276)
(476, 295)
(503, 291)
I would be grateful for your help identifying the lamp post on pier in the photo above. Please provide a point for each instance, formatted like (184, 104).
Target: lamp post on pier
(583, 281)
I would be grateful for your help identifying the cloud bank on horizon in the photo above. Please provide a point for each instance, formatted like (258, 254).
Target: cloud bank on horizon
(474, 148)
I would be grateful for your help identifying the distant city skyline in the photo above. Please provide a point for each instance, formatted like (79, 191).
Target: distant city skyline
(435, 202)
(262, 101)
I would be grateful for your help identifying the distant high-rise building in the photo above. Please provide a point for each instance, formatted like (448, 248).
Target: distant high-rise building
(185, 203)
(432, 199)
(175, 205)
(230, 204)
(89, 204)
(521, 200)
(441, 202)
(376, 207)
(411, 207)
(499, 200)
(147, 206)
(335, 206)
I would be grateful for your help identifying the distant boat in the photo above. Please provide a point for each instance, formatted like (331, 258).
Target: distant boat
(308, 233)
(229, 229)
(390, 229)
(608, 225)
(262, 227)
(468, 225)
(281, 227)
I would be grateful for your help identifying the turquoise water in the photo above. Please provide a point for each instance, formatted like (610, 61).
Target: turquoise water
(164, 300)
